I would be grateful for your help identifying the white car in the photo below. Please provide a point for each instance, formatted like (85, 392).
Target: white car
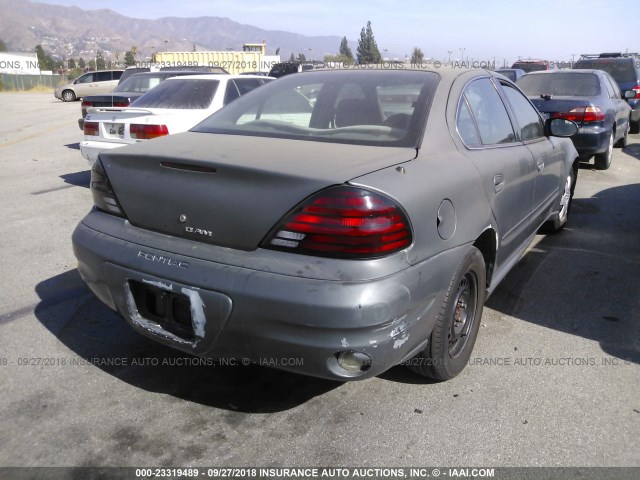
(174, 106)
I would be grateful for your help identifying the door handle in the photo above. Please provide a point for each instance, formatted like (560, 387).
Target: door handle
(498, 183)
(540, 164)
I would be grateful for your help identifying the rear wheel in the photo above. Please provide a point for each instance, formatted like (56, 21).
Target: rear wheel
(634, 127)
(603, 160)
(68, 96)
(456, 328)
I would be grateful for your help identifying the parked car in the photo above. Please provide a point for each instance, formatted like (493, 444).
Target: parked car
(287, 68)
(334, 239)
(625, 70)
(173, 106)
(533, 65)
(127, 91)
(512, 74)
(90, 83)
(592, 99)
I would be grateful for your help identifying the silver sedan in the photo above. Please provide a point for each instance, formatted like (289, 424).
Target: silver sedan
(332, 223)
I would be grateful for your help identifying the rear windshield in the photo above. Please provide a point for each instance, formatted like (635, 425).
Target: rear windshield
(386, 108)
(561, 84)
(531, 66)
(179, 93)
(621, 70)
(139, 83)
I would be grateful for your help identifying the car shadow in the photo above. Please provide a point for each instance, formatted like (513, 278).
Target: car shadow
(633, 150)
(584, 280)
(79, 179)
(102, 339)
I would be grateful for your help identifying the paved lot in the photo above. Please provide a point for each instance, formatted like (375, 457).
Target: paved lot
(555, 378)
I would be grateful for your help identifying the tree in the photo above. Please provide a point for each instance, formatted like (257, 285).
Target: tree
(292, 58)
(100, 63)
(45, 62)
(345, 51)
(301, 57)
(417, 56)
(81, 63)
(3, 46)
(367, 47)
(71, 64)
(130, 57)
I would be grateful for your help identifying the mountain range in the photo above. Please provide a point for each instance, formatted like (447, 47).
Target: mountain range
(66, 32)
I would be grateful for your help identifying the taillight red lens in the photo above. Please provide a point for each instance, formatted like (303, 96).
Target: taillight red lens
(637, 90)
(83, 107)
(582, 114)
(120, 104)
(345, 222)
(91, 128)
(147, 132)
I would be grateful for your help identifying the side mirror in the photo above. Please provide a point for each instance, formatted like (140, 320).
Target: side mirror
(629, 94)
(560, 127)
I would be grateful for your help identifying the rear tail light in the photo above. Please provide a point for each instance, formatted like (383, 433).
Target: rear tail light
(91, 128)
(582, 114)
(344, 222)
(83, 107)
(104, 198)
(121, 104)
(147, 132)
(637, 90)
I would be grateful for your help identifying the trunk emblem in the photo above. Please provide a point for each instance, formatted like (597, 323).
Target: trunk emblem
(182, 218)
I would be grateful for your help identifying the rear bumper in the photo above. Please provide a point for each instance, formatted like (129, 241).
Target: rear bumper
(91, 149)
(590, 141)
(281, 321)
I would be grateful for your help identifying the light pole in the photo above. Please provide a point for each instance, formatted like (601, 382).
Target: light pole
(449, 52)
(462, 53)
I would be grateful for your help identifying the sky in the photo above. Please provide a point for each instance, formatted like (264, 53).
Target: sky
(483, 30)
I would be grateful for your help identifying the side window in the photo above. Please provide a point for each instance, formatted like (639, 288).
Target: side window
(117, 75)
(88, 78)
(232, 92)
(613, 87)
(466, 125)
(527, 117)
(102, 76)
(245, 85)
(491, 116)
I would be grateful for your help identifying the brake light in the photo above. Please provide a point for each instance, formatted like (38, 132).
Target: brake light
(582, 114)
(91, 128)
(343, 222)
(121, 104)
(104, 197)
(147, 132)
(637, 90)
(83, 107)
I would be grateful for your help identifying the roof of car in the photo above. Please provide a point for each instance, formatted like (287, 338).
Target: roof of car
(214, 76)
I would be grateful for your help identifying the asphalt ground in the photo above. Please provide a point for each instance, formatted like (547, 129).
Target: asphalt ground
(554, 379)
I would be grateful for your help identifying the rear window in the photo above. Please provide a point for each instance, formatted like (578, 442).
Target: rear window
(139, 83)
(180, 94)
(621, 70)
(531, 66)
(561, 84)
(385, 108)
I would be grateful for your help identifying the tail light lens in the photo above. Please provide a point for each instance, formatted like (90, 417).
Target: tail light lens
(91, 128)
(343, 222)
(637, 90)
(147, 132)
(83, 107)
(104, 198)
(582, 114)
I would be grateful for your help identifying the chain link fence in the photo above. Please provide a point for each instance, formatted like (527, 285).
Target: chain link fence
(21, 83)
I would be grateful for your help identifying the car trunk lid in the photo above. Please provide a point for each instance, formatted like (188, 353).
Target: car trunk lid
(231, 190)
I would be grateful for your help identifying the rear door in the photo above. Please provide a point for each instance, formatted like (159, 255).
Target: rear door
(620, 106)
(548, 160)
(505, 164)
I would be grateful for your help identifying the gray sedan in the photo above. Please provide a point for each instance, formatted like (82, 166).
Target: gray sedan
(334, 223)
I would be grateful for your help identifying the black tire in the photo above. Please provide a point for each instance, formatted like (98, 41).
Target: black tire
(603, 160)
(634, 127)
(68, 96)
(560, 219)
(454, 334)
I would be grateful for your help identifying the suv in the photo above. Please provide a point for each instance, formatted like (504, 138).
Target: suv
(90, 83)
(625, 70)
(286, 68)
(533, 65)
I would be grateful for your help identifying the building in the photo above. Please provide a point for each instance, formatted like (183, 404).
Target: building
(19, 63)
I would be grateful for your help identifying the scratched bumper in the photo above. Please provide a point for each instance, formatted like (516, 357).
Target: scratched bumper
(273, 319)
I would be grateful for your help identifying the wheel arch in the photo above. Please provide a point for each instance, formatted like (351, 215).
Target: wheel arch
(487, 243)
